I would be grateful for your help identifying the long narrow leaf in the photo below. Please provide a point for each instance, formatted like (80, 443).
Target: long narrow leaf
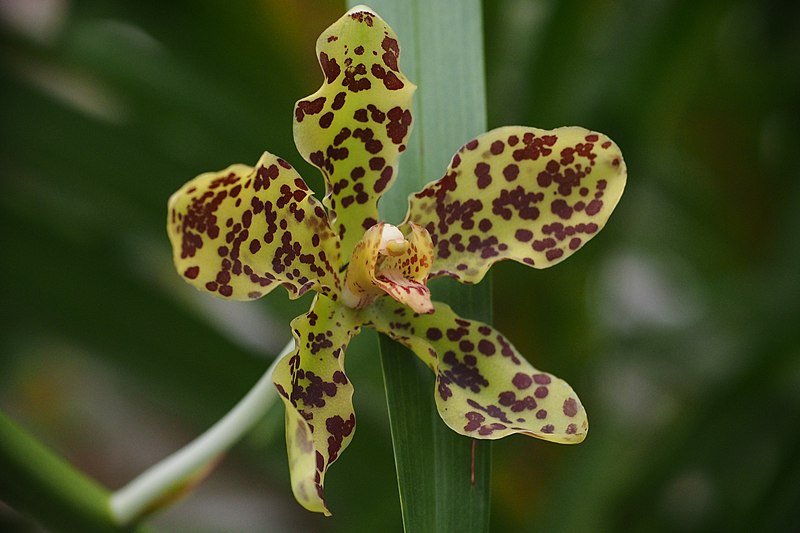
(444, 478)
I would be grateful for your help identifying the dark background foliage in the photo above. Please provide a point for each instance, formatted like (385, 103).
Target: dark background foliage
(677, 325)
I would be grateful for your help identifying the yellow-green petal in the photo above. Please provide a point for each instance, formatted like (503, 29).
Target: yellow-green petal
(240, 232)
(355, 127)
(484, 388)
(534, 196)
(318, 397)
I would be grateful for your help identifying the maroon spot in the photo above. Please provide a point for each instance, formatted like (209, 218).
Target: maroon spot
(523, 235)
(392, 51)
(497, 147)
(317, 158)
(338, 101)
(353, 84)
(553, 254)
(507, 398)
(342, 136)
(511, 172)
(466, 346)
(399, 122)
(192, 272)
(474, 421)
(392, 82)
(548, 428)
(570, 407)
(376, 114)
(377, 163)
(305, 107)
(434, 334)
(591, 137)
(255, 246)
(522, 381)
(329, 67)
(482, 172)
(357, 173)
(358, 50)
(360, 115)
(594, 207)
(226, 290)
(386, 176)
(485, 225)
(541, 392)
(541, 414)
(572, 429)
(561, 208)
(472, 144)
(574, 243)
(541, 379)
(486, 347)
(326, 119)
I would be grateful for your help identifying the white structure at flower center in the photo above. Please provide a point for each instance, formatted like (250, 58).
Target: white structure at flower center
(392, 241)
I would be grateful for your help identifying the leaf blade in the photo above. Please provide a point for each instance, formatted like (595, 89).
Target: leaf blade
(450, 108)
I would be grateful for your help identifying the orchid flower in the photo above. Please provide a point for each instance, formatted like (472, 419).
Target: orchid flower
(519, 193)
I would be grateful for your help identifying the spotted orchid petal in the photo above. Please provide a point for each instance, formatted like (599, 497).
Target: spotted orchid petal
(241, 232)
(484, 388)
(534, 196)
(386, 262)
(317, 394)
(355, 127)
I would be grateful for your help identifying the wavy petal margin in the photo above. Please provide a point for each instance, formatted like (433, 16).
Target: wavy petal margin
(355, 127)
(318, 396)
(484, 388)
(240, 232)
(534, 196)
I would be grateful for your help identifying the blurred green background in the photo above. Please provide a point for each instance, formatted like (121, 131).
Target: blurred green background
(678, 325)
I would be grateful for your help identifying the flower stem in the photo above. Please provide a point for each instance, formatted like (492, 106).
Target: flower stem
(38, 483)
(176, 474)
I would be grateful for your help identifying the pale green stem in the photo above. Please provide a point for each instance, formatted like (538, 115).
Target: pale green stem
(161, 480)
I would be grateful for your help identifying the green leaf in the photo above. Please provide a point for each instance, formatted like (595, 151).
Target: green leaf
(442, 48)
(355, 127)
(531, 195)
(241, 232)
(318, 396)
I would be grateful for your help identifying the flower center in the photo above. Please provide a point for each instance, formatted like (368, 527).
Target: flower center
(385, 262)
